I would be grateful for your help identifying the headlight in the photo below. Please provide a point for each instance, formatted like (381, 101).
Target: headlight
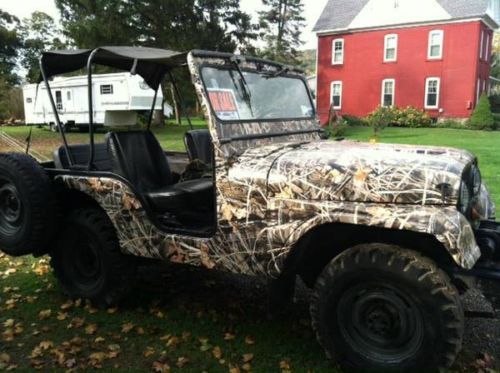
(475, 176)
(464, 202)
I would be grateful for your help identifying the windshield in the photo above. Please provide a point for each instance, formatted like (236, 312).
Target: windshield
(263, 97)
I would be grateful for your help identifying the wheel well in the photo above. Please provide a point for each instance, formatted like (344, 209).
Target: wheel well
(320, 245)
(72, 199)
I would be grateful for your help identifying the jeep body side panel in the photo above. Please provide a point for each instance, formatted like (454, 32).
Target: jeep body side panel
(259, 246)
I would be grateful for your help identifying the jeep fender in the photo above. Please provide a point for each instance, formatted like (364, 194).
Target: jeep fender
(446, 223)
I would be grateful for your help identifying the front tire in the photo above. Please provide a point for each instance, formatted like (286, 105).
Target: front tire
(381, 307)
(87, 259)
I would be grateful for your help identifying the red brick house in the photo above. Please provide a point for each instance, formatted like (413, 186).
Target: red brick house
(430, 54)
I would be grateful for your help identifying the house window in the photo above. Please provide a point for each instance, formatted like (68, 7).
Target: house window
(432, 86)
(436, 44)
(68, 95)
(388, 89)
(391, 48)
(107, 89)
(338, 52)
(336, 95)
(59, 104)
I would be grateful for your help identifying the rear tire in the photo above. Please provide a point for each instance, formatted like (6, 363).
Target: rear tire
(380, 307)
(28, 208)
(87, 259)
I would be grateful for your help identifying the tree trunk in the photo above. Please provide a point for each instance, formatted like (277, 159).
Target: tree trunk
(175, 106)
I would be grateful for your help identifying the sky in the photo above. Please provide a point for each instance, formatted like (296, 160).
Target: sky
(312, 11)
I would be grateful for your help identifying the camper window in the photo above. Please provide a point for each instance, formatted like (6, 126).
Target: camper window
(29, 100)
(107, 89)
(68, 96)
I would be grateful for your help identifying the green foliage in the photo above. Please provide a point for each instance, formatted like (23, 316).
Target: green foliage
(482, 118)
(453, 123)
(281, 25)
(410, 117)
(172, 24)
(379, 119)
(9, 45)
(354, 121)
(496, 116)
(397, 117)
(495, 103)
(39, 33)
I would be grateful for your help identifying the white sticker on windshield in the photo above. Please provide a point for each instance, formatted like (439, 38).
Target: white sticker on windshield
(224, 103)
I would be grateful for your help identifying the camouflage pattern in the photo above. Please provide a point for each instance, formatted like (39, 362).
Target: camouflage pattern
(271, 192)
(254, 241)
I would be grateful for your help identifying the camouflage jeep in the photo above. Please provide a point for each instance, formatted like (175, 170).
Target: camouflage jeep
(386, 236)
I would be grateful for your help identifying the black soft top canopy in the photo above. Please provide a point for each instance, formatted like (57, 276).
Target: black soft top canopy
(150, 63)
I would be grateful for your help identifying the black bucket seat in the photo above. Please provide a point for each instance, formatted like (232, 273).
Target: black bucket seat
(138, 157)
(199, 146)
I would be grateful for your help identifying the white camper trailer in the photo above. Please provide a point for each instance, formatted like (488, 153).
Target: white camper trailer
(118, 98)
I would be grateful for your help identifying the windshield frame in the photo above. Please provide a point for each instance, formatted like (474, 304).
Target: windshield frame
(256, 120)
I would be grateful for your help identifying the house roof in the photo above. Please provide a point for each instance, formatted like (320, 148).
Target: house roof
(341, 15)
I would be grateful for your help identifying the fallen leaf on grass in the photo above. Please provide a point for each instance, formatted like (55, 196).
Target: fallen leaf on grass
(160, 367)
(181, 361)
(234, 369)
(45, 314)
(127, 327)
(90, 329)
(249, 340)
(246, 367)
(148, 352)
(8, 323)
(247, 357)
(62, 316)
(229, 337)
(217, 352)
(45, 345)
(76, 323)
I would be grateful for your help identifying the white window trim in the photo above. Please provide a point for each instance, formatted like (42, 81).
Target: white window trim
(429, 47)
(386, 38)
(478, 94)
(341, 62)
(487, 48)
(339, 82)
(482, 45)
(438, 98)
(393, 81)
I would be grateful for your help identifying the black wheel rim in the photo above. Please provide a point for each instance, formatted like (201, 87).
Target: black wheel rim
(381, 322)
(83, 261)
(11, 208)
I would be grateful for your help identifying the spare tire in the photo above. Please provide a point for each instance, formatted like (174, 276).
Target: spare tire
(27, 205)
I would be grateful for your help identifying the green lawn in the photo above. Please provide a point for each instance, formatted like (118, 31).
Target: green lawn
(185, 319)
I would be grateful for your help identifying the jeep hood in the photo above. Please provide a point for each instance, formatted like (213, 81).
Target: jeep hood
(354, 171)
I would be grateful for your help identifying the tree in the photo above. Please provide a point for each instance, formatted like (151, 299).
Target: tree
(281, 28)
(9, 45)
(482, 118)
(39, 33)
(172, 24)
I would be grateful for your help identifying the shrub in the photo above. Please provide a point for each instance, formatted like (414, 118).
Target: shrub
(380, 118)
(354, 121)
(496, 116)
(453, 123)
(495, 103)
(482, 118)
(411, 117)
